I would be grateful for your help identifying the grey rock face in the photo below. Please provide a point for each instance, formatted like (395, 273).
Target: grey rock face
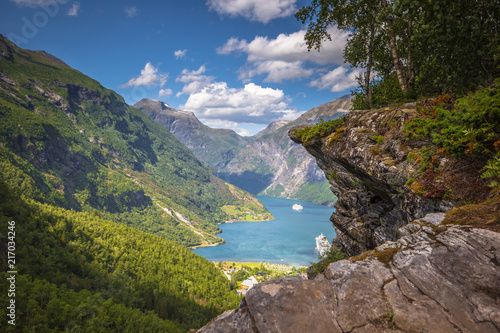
(439, 281)
(268, 163)
(370, 179)
(214, 146)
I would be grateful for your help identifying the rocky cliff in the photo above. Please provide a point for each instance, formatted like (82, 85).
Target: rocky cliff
(214, 146)
(273, 165)
(434, 279)
(374, 170)
(418, 263)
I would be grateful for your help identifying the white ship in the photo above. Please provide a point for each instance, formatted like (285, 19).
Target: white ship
(297, 207)
(322, 244)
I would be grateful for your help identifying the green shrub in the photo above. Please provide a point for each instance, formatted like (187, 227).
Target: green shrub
(320, 129)
(492, 170)
(471, 127)
(330, 256)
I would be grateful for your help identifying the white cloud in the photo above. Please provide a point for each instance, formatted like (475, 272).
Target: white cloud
(233, 44)
(219, 123)
(243, 132)
(285, 57)
(180, 54)
(254, 10)
(232, 125)
(73, 11)
(165, 92)
(131, 11)
(194, 81)
(149, 77)
(276, 70)
(338, 79)
(290, 47)
(250, 104)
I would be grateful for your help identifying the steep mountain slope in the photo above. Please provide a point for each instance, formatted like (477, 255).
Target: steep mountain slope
(214, 146)
(274, 165)
(79, 272)
(268, 163)
(65, 140)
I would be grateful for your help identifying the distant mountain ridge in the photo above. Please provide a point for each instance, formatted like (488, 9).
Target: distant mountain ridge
(214, 146)
(268, 163)
(67, 141)
(273, 165)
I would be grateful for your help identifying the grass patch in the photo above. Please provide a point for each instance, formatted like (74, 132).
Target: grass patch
(484, 215)
(385, 256)
(321, 129)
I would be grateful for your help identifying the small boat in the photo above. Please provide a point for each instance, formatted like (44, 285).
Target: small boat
(297, 207)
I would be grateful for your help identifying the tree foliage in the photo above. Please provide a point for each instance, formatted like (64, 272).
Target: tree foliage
(431, 47)
(78, 271)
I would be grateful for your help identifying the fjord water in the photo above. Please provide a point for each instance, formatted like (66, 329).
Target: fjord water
(288, 239)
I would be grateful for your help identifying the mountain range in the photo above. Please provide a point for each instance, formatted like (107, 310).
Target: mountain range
(268, 163)
(67, 141)
(98, 204)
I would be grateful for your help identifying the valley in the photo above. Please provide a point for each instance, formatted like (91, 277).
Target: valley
(250, 166)
(268, 163)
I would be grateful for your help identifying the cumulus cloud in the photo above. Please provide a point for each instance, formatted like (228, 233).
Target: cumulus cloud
(131, 11)
(250, 104)
(286, 56)
(165, 92)
(194, 81)
(180, 54)
(73, 11)
(338, 79)
(276, 71)
(149, 77)
(289, 47)
(254, 10)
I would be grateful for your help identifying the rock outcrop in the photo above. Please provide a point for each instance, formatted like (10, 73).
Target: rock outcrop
(433, 279)
(417, 263)
(366, 161)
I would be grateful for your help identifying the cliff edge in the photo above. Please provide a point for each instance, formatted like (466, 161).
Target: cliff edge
(376, 173)
(421, 260)
(434, 279)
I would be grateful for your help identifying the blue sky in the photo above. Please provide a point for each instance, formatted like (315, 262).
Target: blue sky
(237, 64)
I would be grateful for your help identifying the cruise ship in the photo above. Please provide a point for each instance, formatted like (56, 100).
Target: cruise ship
(322, 244)
(297, 207)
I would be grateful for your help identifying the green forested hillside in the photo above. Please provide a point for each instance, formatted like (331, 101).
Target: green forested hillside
(67, 141)
(79, 272)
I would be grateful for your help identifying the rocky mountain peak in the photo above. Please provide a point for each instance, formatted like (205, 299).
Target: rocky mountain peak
(153, 104)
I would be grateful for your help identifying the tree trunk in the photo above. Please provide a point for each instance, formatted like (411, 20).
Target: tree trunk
(409, 68)
(368, 90)
(397, 63)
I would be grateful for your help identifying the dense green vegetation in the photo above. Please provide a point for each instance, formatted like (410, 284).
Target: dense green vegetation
(67, 141)
(326, 259)
(468, 126)
(78, 271)
(415, 47)
(321, 129)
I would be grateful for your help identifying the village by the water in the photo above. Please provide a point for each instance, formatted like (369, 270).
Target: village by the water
(247, 275)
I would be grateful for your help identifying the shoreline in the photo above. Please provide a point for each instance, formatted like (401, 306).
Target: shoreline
(231, 221)
(254, 263)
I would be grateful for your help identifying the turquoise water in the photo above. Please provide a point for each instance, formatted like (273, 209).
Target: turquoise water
(289, 239)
